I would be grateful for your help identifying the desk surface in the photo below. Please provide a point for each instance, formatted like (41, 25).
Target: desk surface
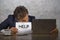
(28, 37)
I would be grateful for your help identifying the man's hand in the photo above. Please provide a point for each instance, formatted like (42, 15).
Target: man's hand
(14, 30)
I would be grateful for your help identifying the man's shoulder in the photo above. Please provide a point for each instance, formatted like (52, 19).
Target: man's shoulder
(33, 17)
(11, 17)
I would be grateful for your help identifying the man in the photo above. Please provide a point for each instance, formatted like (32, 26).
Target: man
(20, 15)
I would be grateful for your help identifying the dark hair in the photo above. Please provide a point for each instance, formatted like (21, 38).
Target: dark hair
(20, 12)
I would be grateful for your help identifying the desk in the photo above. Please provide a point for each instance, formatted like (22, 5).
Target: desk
(30, 37)
(27, 37)
(15, 37)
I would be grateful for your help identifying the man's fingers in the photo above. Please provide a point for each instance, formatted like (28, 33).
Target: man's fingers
(14, 30)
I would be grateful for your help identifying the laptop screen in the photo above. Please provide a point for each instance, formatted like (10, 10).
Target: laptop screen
(43, 25)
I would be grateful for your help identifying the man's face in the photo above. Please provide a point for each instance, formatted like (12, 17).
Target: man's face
(25, 19)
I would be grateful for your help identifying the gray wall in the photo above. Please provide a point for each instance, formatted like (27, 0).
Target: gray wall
(41, 9)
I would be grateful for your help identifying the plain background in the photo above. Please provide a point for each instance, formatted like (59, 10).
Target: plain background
(41, 9)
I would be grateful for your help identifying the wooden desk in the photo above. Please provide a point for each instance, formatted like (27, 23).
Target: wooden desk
(51, 36)
(15, 37)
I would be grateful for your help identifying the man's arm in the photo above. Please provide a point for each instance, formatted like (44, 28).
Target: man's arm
(4, 24)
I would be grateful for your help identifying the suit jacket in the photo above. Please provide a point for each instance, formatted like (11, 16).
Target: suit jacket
(10, 22)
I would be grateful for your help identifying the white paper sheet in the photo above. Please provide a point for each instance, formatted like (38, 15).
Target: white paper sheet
(24, 27)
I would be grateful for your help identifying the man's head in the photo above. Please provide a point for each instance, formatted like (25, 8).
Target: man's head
(21, 13)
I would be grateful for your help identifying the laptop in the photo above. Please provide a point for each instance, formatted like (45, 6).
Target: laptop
(43, 25)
